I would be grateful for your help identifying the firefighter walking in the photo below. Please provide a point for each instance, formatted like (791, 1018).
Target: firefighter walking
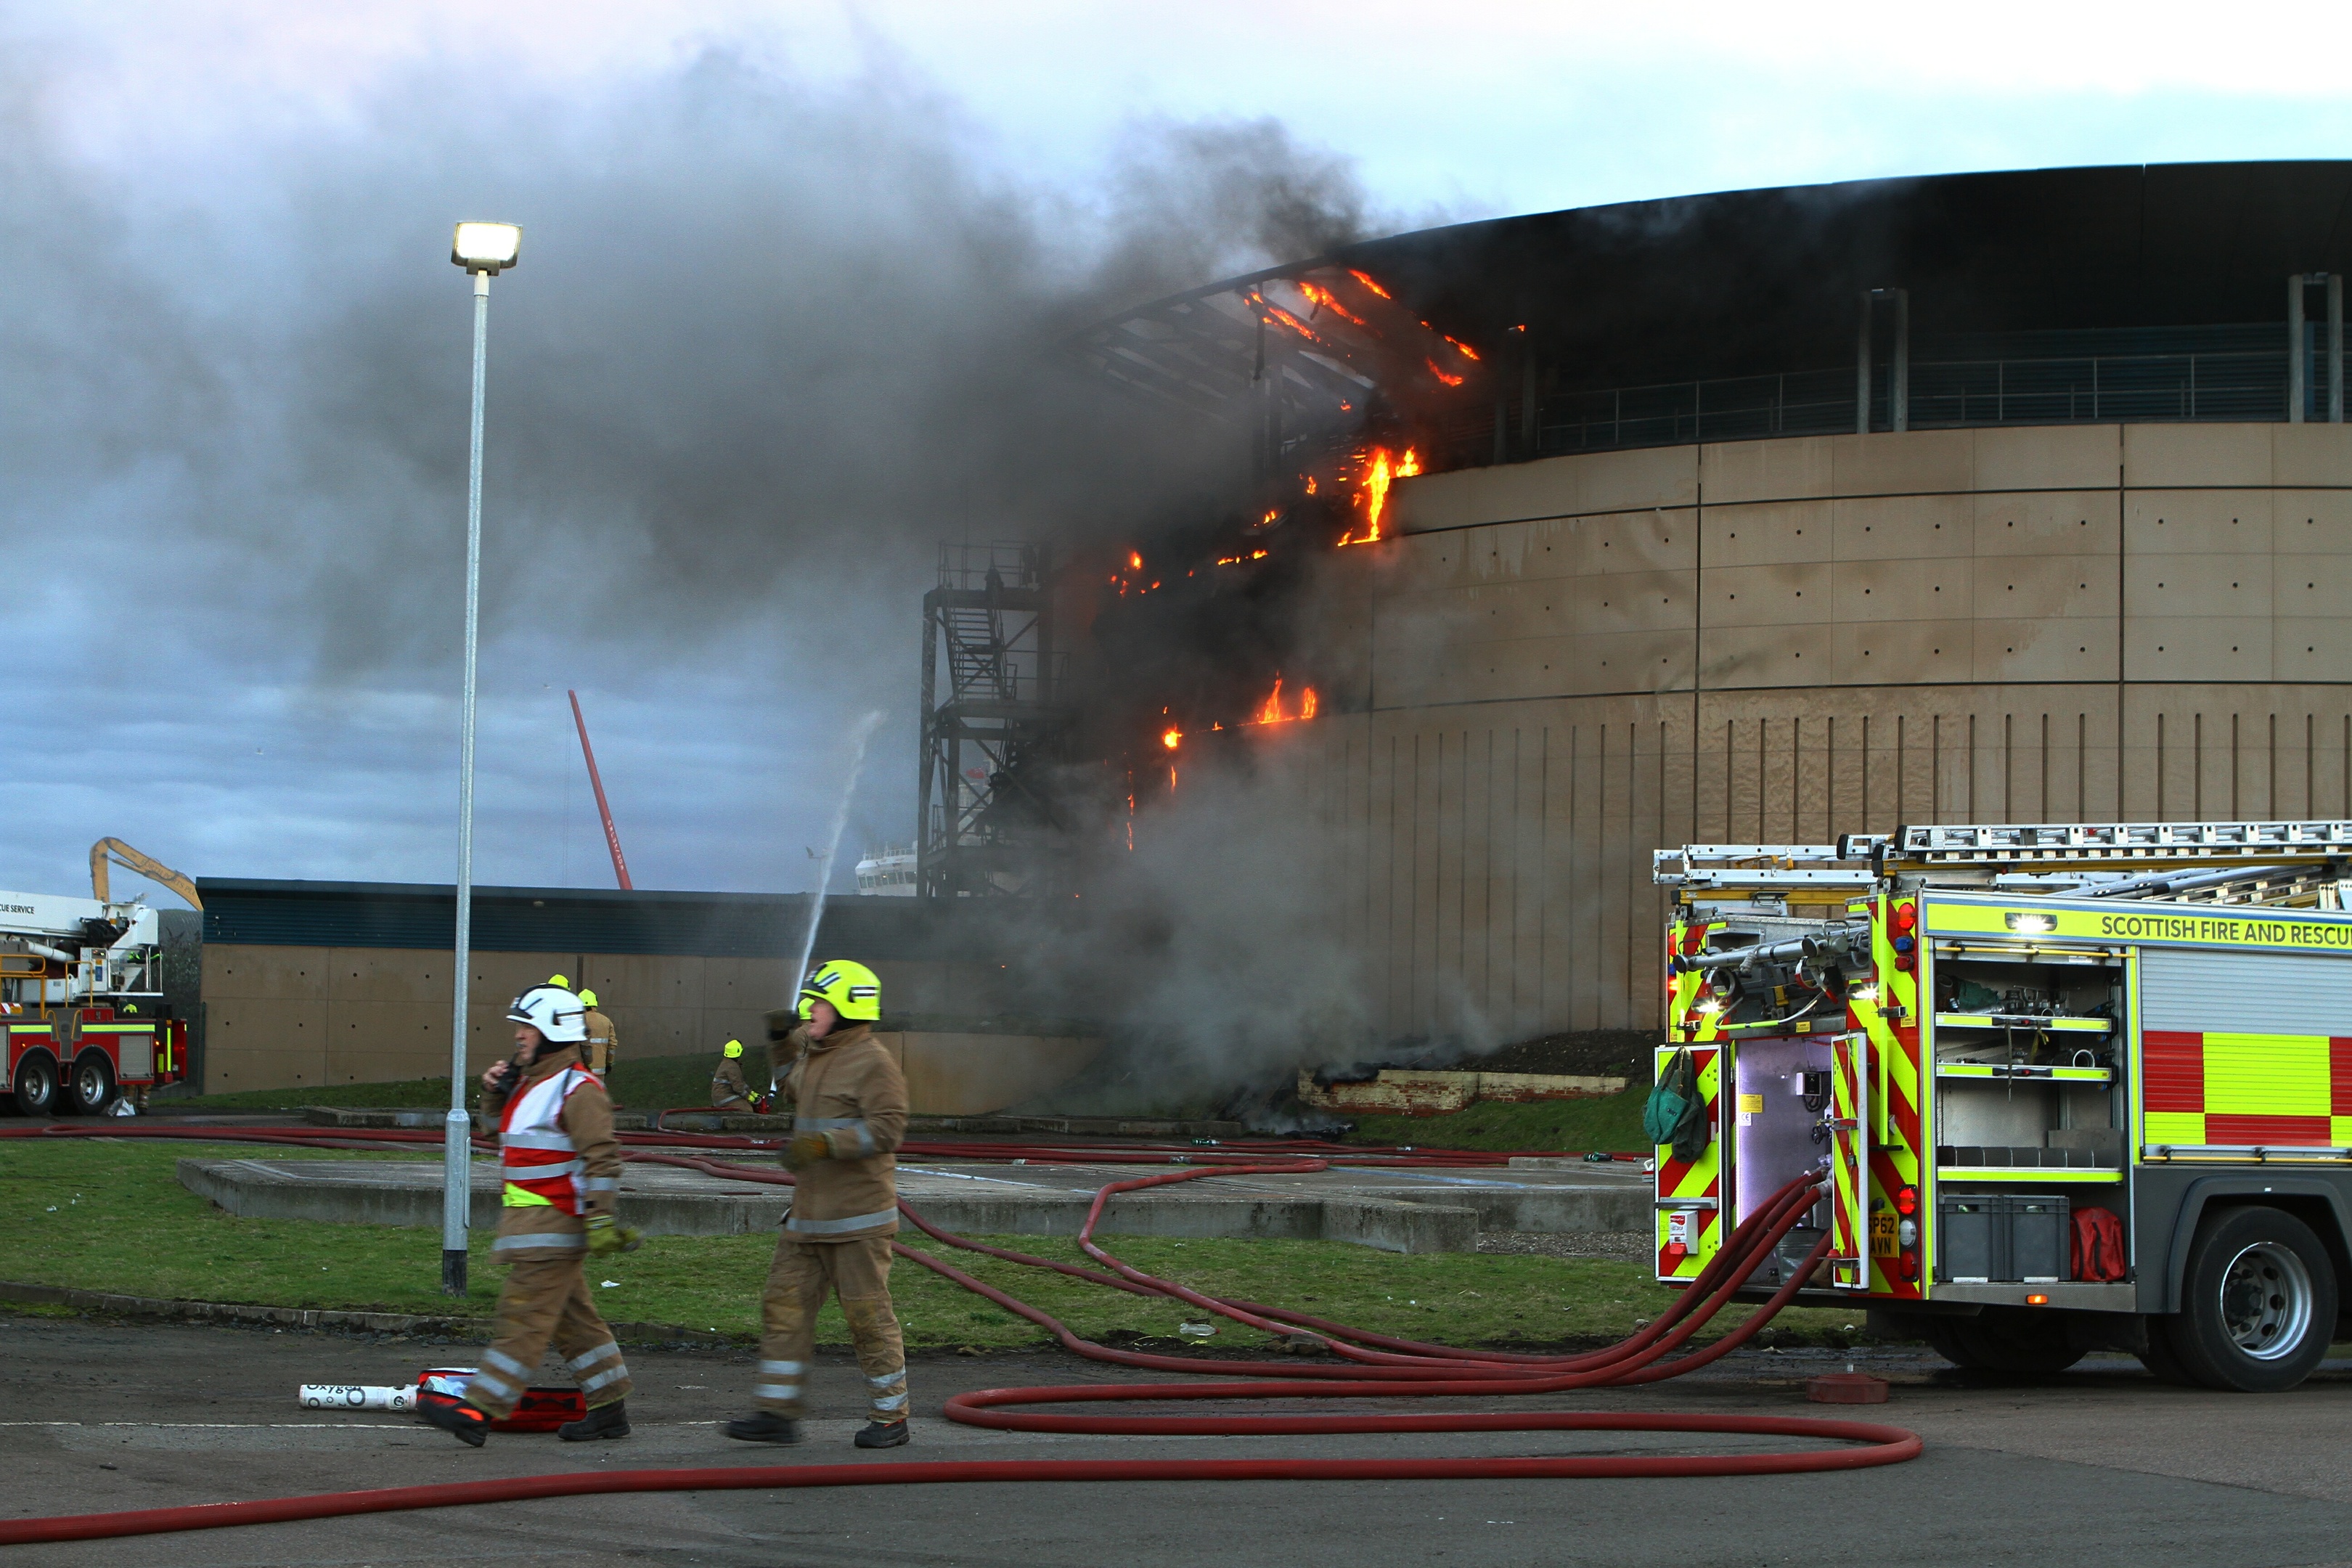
(561, 1167)
(849, 1112)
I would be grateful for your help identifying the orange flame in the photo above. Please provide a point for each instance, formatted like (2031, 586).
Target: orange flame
(1373, 494)
(1240, 559)
(1171, 738)
(1310, 484)
(1270, 710)
(1135, 560)
(1366, 279)
(1464, 350)
(1282, 318)
(1325, 301)
(1446, 376)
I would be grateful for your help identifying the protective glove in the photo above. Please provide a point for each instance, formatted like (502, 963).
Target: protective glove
(805, 1149)
(607, 1236)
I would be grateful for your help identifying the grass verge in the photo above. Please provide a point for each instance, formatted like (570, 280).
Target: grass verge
(100, 1216)
(1611, 1124)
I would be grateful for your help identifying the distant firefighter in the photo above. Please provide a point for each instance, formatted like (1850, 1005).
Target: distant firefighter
(727, 1090)
(604, 1047)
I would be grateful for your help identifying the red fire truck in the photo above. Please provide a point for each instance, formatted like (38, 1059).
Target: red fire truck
(2074, 1086)
(81, 1006)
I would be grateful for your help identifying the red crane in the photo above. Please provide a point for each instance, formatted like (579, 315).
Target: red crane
(612, 836)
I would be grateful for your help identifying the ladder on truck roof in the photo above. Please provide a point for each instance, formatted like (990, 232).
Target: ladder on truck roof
(2204, 862)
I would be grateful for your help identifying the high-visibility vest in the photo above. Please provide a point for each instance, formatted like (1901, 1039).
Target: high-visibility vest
(536, 1156)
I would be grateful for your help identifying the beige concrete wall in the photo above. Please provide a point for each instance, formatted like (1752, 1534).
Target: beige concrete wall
(1574, 661)
(284, 1017)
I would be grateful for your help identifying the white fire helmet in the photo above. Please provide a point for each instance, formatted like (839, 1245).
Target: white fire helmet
(553, 1012)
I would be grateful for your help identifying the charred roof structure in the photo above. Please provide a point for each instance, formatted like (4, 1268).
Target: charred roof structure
(2049, 296)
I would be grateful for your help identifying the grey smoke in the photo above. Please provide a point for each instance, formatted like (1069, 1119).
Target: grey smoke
(770, 342)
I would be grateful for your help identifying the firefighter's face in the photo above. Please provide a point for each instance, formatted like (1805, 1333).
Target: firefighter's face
(821, 1019)
(528, 1041)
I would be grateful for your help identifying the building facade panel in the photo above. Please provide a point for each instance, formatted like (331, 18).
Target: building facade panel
(1988, 657)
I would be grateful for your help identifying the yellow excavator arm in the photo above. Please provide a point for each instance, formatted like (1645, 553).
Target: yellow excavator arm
(147, 865)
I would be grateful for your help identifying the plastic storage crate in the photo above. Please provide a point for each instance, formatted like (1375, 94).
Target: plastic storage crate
(2003, 1238)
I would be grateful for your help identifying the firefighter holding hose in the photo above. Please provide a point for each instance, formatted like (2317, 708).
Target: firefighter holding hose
(849, 1112)
(562, 1169)
(727, 1090)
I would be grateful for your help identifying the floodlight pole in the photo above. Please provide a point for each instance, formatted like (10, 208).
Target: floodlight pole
(457, 1136)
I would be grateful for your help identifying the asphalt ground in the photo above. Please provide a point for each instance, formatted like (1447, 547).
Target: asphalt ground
(2099, 1465)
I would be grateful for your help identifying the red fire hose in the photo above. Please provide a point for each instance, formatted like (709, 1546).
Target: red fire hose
(1380, 1367)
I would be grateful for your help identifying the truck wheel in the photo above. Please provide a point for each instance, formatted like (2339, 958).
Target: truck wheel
(36, 1086)
(2258, 1303)
(2161, 1358)
(91, 1086)
(2005, 1339)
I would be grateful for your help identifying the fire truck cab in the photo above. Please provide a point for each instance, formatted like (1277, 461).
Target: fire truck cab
(82, 1021)
(2072, 1087)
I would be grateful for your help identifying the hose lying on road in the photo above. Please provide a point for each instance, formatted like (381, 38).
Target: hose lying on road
(1378, 1366)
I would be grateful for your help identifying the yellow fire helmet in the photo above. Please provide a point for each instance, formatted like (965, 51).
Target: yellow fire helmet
(853, 989)
(734, 1048)
(589, 997)
(559, 980)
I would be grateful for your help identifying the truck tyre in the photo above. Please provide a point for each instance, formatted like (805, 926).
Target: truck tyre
(2161, 1358)
(36, 1093)
(91, 1085)
(2258, 1303)
(2016, 1339)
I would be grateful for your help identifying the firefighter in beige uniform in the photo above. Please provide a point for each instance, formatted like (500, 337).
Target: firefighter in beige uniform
(563, 1170)
(602, 1051)
(727, 1090)
(849, 1111)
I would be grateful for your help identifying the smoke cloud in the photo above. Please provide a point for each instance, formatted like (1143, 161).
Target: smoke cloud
(769, 341)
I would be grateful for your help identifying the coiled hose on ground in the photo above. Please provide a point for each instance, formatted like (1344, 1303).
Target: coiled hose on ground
(1377, 1366)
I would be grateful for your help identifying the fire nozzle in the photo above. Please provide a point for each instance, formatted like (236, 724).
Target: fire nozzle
(1829, 942)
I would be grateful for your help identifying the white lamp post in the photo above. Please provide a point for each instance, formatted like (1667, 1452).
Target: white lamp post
(483, 249)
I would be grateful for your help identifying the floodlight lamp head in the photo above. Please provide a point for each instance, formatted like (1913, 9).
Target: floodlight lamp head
(489, 247)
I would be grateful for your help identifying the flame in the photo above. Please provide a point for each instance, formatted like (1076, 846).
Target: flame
(1172, 737)
(1366, 279)
(1373, 494)
(1310, 484)
(1464, 350)
(1449, 379)
(1282, 318)
(1325, 301)
(1270, 710)
(1240, 560)
(1135, 560)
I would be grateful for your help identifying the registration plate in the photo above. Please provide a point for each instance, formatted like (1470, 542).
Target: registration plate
(1884, 1242)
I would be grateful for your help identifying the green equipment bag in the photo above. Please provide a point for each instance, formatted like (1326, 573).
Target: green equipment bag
(1675, 1114)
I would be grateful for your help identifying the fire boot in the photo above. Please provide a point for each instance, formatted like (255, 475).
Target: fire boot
(883, 1435)
(767, 1426)
(455, 1417)
(605, 1421)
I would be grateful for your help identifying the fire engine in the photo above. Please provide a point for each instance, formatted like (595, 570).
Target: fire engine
(2072, 1086)
(81, 1013)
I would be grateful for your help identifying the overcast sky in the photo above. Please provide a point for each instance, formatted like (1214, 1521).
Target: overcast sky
(734, 383)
